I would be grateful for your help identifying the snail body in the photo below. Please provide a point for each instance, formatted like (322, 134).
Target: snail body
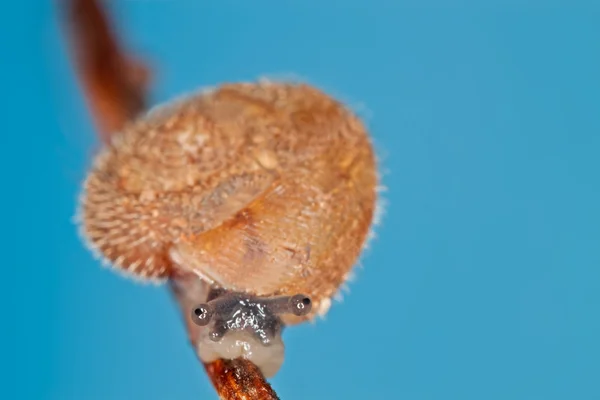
(267, 189)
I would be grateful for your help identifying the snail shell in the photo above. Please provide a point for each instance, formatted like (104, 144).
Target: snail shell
(264, 188)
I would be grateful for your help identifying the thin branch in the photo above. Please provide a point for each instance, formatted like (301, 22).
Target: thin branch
(239, 379)
(115, 85)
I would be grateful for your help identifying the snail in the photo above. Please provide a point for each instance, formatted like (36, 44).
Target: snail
(265, 191)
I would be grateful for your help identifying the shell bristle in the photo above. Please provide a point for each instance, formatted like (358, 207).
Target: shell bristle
(127, 271)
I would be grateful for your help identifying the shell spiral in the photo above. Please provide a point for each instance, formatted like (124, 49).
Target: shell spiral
(266, 188)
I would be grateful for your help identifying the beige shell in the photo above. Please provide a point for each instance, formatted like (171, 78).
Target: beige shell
(266, 188)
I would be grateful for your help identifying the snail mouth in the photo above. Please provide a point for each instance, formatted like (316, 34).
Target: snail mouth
(236, 344)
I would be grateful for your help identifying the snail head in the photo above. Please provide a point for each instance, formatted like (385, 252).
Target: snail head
(241, 325)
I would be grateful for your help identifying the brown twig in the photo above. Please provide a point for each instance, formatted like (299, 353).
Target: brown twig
(239, 379)
(116, 89)
(114, 82)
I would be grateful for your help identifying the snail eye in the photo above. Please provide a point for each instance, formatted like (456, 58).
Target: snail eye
(202, 314)
(300, 305)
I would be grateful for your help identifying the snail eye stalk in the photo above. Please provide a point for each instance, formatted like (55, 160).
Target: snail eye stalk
(299, 305)
(225, 305)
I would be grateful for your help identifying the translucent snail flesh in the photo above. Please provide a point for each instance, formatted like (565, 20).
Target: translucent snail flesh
(266, 191)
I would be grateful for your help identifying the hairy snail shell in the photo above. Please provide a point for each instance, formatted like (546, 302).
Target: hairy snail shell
(264, 188)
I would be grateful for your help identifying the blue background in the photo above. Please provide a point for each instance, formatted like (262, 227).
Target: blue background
(484, 280)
